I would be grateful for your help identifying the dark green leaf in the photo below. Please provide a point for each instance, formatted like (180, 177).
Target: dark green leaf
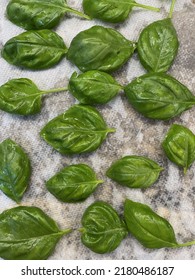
(80, 129)
(14, 170)
(102, 230)
(158, 46)
(35, 49)
(73, 183)
(111, 10)
(27, 233)
(93, 87)
(179, 146)
(134, 171)
(39, 14)
(151, 230)
(159, 96)
(100, 48)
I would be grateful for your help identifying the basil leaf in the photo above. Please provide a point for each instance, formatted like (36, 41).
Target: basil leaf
(112, 10)
(100, 48)
(151, 230)
(35, 49)
(39, 14)
(102, 230)
(27, 233)
(134, 171)
(93, 87)
(80, 129)
(73, 183)
(159, 96)
(14, 170)
(179, 146)
(158, 46)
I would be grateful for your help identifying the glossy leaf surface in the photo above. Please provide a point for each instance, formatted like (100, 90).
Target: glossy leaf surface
(100, 48)
(80, 129)
(14, 170)
(73, 183)
(93, 87)
(27, 233)
(103, 230)
(35, 49)
(159, 96)
(134, 171)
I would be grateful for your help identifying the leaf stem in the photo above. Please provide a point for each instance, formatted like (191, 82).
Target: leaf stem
(66, 231)
(68, 9)
(146, 7)
(54, 90)
(111, 130)
(187, 244)
(172, 8)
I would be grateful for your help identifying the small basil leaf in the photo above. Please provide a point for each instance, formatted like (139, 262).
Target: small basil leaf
(102, 230)
(80, 129)
(73, 183)
(14, 170)
(158, 46)
(151, 230)
(100, 48)
(93, 87)
(134, 171)
(179, 146)
(27, 233)
(35, 49)
(159, 96)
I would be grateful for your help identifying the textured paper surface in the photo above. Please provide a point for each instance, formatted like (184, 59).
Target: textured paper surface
(172, 197)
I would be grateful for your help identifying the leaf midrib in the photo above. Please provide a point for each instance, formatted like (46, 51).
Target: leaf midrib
(64, 50)
(120, 229)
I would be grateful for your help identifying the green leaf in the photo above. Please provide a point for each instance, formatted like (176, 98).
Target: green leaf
(159, 96)
(73, 183)
(151, 230)
(27, 233)
(93, 87)
(158, 46)
(80, 129)
(100, 48)
(102, 230)
(35, 49)
(134, 171)
(179, 146)
(112, 10)
(38, 14)
(14, 170)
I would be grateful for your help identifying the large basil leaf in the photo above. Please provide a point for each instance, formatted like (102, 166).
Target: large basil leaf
(112, 10)
(100, 48)
(179, 146)
(73, 183)
(80, 129)
(151, 230)
(38, 14)
(102, 230)
(14, 170)
(159, 96)
(93, 87)
(35, 49)
(27, 233)
(134, 171)
(158, 45)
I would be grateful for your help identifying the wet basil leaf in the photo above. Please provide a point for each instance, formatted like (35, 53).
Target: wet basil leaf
(179, 146)
(103, 230)
(158, 46)
(100, 48)
(80, 129)
(73, 183)
(134, 171)
(159, 96)
(151, 230)
(14, 170)
(35, 49)
(112, 10)
(27, 233)
(39, 14)
(93, 87)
